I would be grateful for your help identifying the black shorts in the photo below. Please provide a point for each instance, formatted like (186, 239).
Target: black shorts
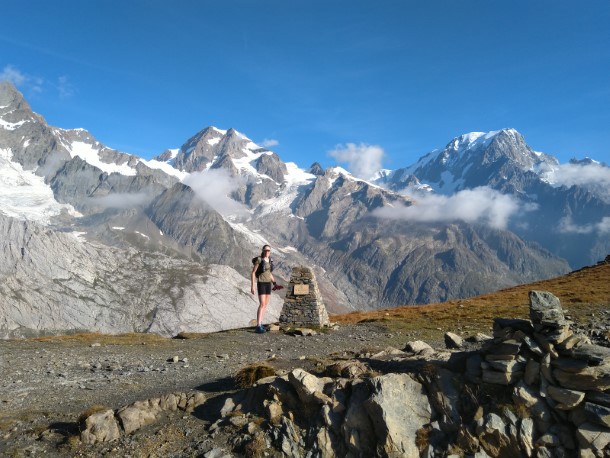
(264, 288)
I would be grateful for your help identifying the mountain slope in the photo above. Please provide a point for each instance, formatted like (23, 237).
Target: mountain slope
(56, 282)
(584, 295)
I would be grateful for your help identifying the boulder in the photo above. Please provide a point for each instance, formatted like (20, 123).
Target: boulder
(138, 414)
(492, 433)
(597, 414)
(309, 387)
(398, 407)
(532, 372)
(589, 378)
(526, 436)
(100, 427)
(501, 378)
(593, 354)
(452, 341)
(348, 369)
(545, 310)
(419, 347)
(357, 425)
(530, 398)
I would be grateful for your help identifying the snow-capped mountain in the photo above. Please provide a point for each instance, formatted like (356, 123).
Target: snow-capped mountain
(173, 228)
(568, 204)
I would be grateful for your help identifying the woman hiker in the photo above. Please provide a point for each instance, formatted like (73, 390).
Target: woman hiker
(262, 273)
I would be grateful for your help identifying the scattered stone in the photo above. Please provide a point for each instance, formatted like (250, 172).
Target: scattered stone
(453, 341)
(478, 338)
(419, 347)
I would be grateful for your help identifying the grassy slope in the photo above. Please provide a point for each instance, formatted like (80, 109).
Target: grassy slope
(583, 294)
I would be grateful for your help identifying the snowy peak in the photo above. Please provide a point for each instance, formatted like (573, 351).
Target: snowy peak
(14, 110)
(472, 160)
(80, 143)
(213, 148)
(209, 147)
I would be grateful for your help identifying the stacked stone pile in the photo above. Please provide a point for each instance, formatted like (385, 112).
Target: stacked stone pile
(560, 378)
(303, 307)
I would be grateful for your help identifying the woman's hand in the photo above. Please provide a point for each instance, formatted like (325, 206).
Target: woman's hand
(252, 290)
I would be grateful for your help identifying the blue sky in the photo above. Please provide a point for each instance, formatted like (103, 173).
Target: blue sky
(309, 77)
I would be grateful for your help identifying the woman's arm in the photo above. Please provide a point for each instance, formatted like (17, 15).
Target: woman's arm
(253, 278)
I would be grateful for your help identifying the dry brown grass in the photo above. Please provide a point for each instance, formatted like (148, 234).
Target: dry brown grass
(582, 293)
(96, 408)
(249, 375)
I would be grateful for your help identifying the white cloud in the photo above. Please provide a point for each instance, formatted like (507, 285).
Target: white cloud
(603, 227)
(214, 186)
(567, 226)
(582, 174)
(478, 205)
(269, 142)
(20, 79)
(122, 200)
(362, 160)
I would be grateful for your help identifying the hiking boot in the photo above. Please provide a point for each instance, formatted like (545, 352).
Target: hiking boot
(260, 329)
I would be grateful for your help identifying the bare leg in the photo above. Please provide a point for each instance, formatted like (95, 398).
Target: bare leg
(263, 300)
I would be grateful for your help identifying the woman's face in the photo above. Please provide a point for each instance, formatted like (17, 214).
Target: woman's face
(266, 250)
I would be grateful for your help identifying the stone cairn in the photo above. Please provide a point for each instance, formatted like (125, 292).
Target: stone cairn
(560, 378)
(303, 304)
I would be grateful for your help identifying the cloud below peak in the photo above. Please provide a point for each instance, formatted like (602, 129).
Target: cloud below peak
(479, 205)
(214, 187)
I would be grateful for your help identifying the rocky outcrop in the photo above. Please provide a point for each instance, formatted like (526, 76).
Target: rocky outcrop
(536, 388)
(108, 425)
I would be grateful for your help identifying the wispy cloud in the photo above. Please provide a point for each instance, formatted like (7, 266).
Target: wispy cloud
(567, 226)
(362, 160)
(122, 200)
(37, 84)
(214, 187)
(479, 205)
(21, 79)
(269, 142)
(65, 87)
